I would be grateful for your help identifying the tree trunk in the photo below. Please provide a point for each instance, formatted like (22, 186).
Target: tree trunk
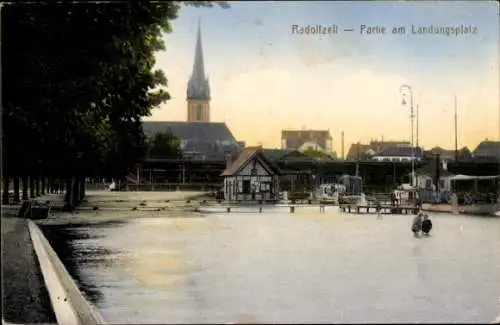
(76, 191)
(62, 187)
(16, 190)
(5, 193)
(49, 185)
(44, 184)
(32, 187)
(68, 198)
(82, 190)
(53, 186)
(24, 181)
(37, 186)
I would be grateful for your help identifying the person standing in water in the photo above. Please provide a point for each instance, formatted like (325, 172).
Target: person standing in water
(416, 227)
(426, 225)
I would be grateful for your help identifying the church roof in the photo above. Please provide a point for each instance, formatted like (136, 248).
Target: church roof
(210, 131)
(208, 139)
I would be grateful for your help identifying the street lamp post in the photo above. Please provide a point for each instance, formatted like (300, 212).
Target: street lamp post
(412, 116)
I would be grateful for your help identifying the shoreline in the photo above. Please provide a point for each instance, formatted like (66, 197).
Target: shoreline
(104, 206)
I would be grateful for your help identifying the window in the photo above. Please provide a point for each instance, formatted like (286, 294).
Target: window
(253, 172)
(246, 187)
(199, 112)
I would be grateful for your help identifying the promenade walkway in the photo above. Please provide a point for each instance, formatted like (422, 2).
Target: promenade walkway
(25, 298)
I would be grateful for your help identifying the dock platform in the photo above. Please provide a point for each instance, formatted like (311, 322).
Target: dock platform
(382, 209)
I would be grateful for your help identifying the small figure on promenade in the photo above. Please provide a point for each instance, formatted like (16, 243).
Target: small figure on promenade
(379, 210)
(394, 199)
(416, 226)
(426, 225)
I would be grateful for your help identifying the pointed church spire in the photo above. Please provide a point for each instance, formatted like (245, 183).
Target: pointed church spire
(198, 67)
(198, 87)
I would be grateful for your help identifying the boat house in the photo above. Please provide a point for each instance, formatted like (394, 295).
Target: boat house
(251, 177)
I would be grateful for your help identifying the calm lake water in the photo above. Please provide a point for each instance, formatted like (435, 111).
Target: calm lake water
(286, 268)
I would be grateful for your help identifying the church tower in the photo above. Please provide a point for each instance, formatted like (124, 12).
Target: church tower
(198, 90)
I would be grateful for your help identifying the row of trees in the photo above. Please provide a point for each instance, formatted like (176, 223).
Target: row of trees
(77, 79)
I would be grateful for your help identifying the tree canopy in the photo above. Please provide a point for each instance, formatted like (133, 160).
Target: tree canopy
(164, 145)
(319, 155)
(77, 79)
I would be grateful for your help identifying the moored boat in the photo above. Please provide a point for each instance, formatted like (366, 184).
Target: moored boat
(467, 198)
(328, 194)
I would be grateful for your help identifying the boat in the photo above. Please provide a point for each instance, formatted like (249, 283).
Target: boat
(328, 193)
(353, 193)
(463, 202)
(480, 209)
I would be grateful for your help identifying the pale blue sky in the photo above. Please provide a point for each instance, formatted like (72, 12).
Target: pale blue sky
(262, 74)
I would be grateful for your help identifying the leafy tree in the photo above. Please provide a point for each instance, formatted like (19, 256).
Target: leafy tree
(77, 81)
(164, 145)
(319, 155)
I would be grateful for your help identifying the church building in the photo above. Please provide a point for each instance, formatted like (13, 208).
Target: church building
(200, 138)
(198, 90)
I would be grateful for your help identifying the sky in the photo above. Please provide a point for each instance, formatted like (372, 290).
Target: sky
(264, 78)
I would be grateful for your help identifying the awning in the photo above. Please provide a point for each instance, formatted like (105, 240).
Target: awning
(470, 177)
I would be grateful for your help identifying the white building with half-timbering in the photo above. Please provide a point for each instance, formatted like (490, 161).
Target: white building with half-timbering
(251, 177)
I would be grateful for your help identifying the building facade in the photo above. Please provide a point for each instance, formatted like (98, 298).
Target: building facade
(398, 154)
(303, 140)
(488, 150)
(360, 151)
(251, 177)
(445, 155)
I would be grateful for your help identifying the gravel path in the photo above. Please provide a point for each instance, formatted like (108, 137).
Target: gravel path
(24, 296)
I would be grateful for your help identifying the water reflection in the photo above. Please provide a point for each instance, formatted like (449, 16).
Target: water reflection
(77, 245)
(290, 268)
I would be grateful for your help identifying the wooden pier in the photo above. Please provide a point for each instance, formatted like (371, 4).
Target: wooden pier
(382, 209)
(267, 208)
